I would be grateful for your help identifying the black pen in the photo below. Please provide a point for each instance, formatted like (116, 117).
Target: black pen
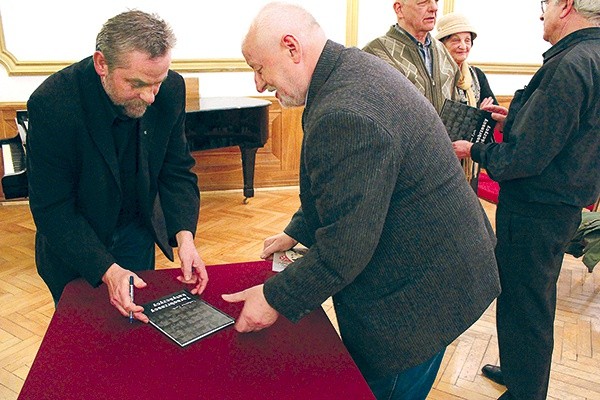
(131, 297)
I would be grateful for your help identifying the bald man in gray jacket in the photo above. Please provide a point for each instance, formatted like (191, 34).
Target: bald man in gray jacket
(395, 233)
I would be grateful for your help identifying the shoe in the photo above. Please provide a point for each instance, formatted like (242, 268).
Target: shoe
(493, 373)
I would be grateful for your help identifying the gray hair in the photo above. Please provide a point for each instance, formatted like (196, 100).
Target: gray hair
(134, 31)
(589, 9)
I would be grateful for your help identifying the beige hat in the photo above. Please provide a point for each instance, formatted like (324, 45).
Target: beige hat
(453, 23)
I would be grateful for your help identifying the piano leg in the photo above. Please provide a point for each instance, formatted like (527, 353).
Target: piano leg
(15, 186)
(248, 162)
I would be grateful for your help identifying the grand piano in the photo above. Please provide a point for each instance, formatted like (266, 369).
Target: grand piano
(210, 123)
(216, 122)
(14, 158)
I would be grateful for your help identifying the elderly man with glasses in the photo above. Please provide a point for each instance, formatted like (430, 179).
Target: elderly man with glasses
(547, 167)
(409, 47)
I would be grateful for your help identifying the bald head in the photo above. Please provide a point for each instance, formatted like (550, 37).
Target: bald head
(283, 46)
(278, 19)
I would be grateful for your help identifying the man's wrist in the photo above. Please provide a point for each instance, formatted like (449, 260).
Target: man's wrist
(475, 152)
(184, 236)
(109, 271)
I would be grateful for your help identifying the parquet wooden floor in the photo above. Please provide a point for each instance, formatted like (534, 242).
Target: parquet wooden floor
(231, 232)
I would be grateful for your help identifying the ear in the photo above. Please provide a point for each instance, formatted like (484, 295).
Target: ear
(291, 44)
(398, 8)
(100, 64)
(567, 8)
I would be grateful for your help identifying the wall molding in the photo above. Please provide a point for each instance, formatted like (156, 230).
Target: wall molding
(16, 67)
(497, 68)
(507, 69)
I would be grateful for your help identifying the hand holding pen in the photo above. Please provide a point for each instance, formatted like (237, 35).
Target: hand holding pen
(131, 298)
(120, 291)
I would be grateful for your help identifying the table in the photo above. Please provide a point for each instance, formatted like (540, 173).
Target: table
(92, 352)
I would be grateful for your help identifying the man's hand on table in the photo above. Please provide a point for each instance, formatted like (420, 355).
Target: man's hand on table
(257, 314)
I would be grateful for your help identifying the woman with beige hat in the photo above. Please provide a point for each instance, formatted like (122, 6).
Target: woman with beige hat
(457, 34)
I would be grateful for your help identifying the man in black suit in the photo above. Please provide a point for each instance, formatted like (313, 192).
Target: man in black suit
(395, 233)
(109, 166)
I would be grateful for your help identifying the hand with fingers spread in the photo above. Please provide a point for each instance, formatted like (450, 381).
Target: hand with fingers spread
(193, 268)
(116, 279)
(279, 242)
(257, 314)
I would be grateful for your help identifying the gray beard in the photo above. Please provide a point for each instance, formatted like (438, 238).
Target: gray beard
(132, 108)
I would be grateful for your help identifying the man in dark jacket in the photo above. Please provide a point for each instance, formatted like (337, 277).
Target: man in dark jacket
(395, 233)
(547, 167)
(109, 166)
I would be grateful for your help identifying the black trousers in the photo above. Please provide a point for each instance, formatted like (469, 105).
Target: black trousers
(529, 251)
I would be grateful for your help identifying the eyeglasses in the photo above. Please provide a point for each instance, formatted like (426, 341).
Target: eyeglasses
(544, 4)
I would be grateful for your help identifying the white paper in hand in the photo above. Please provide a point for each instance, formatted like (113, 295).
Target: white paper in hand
(281, 259)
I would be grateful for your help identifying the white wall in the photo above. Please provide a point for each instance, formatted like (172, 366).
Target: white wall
(509, 32)
(65, 30)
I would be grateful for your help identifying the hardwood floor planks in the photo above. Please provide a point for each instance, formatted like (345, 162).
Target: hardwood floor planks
(229, 231)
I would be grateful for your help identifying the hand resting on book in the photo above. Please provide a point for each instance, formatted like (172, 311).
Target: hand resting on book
(256, 314)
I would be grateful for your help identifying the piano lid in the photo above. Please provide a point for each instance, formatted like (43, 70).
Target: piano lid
(226, 103)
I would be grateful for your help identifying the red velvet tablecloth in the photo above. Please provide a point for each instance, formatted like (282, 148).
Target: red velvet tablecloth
(92, 352)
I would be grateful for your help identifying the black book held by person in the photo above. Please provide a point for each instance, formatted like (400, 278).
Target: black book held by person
(185, 318)
(464, 122)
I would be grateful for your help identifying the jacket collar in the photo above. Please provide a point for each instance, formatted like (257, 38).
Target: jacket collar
(327, 61)
(404, 32)
(98, 115)
(571, 39)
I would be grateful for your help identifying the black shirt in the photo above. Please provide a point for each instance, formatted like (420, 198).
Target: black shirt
(125, 132)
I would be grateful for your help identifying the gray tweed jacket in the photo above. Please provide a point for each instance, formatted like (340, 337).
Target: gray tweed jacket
(395, 233)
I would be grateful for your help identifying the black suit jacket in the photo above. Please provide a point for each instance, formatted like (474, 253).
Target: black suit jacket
(74, 184)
